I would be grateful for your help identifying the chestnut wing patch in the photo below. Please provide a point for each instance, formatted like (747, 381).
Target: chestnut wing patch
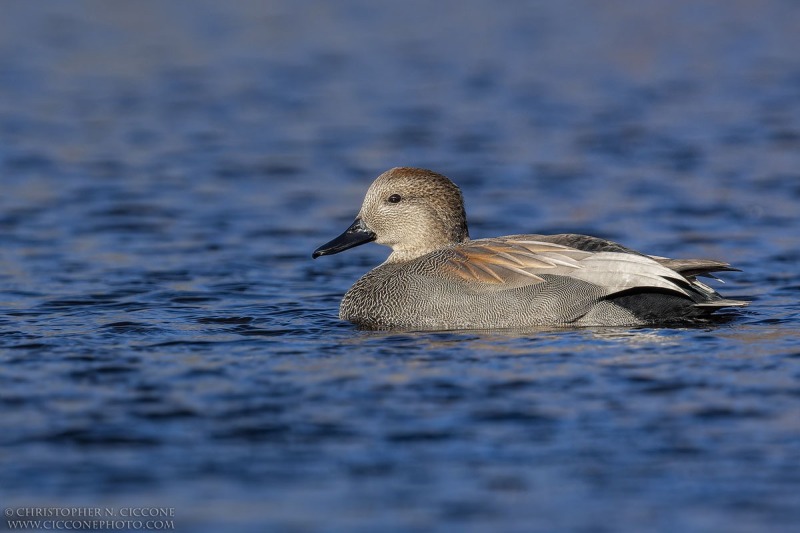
(510, 261)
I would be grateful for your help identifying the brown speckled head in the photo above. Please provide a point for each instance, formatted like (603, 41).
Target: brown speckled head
(414, 211)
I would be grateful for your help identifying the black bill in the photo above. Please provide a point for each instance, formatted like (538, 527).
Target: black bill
(353, 236)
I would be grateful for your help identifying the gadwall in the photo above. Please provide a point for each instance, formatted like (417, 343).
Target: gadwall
(437, 278)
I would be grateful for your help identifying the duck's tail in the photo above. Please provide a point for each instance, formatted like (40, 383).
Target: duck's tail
(691, 268)
(709, 299)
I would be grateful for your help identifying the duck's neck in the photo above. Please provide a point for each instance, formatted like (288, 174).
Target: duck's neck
(402, 254)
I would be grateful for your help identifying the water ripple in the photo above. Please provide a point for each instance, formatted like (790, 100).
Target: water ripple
(165, 337)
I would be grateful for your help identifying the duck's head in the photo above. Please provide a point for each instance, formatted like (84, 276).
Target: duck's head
(412, 210)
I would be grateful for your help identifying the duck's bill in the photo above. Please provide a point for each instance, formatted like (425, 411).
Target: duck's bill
(353, 236)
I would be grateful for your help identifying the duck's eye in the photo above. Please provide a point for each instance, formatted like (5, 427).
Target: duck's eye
(394, 198)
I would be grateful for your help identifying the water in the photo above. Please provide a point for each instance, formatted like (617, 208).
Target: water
(166, 340)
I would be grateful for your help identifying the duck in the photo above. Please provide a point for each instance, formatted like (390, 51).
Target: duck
(437, 278)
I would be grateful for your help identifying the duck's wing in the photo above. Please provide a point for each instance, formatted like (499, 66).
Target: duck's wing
(621, 272)
(587, 243)
(518, 261)
(511, 261)
(688, 268)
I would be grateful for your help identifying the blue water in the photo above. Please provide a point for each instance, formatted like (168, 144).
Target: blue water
(167, 168)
